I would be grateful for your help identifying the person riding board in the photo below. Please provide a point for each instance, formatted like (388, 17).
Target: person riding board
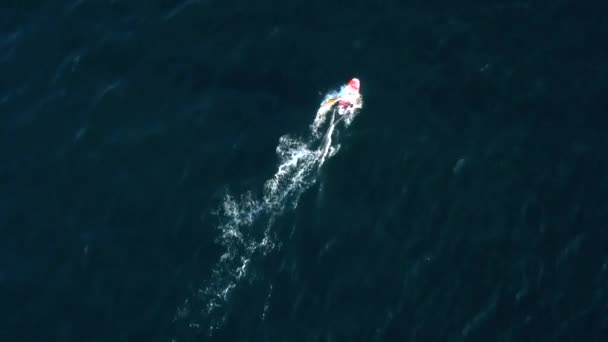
(343, 103)
(349, 97)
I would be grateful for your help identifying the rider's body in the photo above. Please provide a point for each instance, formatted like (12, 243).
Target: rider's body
(349, 96)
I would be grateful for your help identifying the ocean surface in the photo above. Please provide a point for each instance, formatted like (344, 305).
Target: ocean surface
(163, 178)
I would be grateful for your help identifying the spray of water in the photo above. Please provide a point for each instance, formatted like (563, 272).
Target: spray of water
(300, 160)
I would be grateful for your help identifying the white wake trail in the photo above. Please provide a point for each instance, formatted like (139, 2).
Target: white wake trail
(300, 160)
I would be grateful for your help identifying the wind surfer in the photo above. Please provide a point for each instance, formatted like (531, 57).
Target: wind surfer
(348, 99)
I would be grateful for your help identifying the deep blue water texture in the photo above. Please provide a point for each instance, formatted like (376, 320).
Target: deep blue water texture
(468, 202)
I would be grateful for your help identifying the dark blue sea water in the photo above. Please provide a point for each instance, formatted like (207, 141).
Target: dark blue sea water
(160, 181)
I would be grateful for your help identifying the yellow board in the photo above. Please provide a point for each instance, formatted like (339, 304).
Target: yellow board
(330, 102)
